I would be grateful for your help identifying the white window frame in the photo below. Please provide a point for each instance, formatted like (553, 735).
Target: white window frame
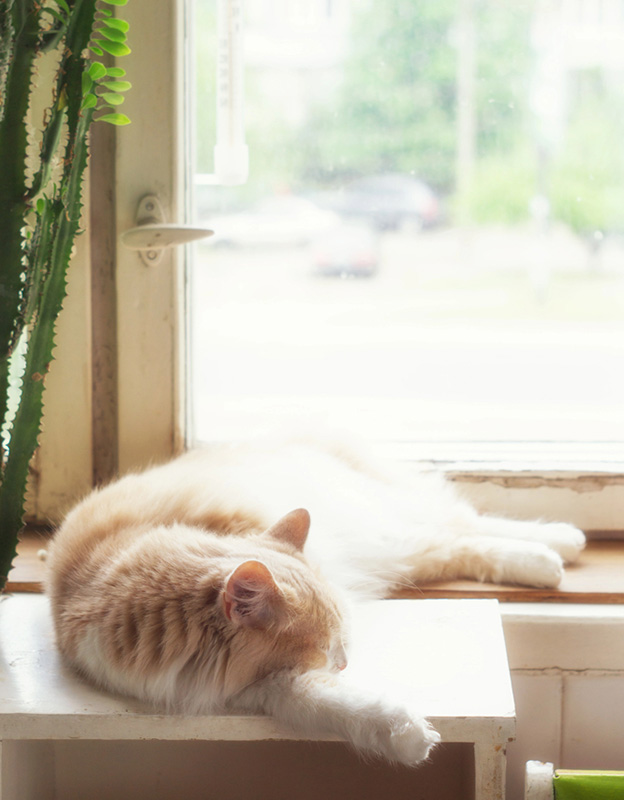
(118, 378)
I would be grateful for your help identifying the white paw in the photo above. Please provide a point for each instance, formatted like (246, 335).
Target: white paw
(411, 741)
(540, 567)
(565, 539)
(396, 735)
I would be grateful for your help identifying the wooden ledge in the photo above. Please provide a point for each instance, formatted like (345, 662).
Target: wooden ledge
(597, 578)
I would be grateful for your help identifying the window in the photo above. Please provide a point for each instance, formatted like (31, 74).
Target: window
(409, 354)
(429, 247)
(119, 372)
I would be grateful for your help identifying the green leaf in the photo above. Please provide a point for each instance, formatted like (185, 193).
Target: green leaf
(87, 83)
(115, 72)
(97, 50)
(120, 24)
(62, 4)
(89, 101)
(97, 70)
(114, 119)
(116, 86)
(112, 99)
(116, 2)
(41, 203)
(114, 48)
(112, 34)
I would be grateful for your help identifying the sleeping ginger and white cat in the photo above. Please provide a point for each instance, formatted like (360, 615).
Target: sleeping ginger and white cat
(193, 586)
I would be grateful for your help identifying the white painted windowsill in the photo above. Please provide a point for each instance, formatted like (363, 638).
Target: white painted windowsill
(562, 636)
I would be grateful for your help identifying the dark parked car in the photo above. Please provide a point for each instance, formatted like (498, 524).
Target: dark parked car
(389, 202)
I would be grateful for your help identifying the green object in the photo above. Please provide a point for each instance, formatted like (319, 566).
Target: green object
(42, 163)
(588, 785)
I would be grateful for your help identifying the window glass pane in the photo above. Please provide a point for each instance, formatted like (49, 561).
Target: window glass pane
(430, 245)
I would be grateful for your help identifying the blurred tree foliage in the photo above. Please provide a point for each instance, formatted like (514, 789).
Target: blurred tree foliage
(394, 109)
(503, 76)
(586, 182)
(397, 107)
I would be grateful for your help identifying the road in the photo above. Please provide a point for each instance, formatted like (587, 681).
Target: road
(433, 346)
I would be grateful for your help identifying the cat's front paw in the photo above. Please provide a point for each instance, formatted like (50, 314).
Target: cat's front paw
(411, 741)
(396, 735)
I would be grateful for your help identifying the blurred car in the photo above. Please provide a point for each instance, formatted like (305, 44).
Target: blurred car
(348, 250)
(389, 202)
(279, 220)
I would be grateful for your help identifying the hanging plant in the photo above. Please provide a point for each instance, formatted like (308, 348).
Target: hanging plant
(40, 205)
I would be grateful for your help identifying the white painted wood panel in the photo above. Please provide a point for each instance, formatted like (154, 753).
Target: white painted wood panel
(538, 733)
(593, 722)
(150, 161)
(567, 665)
(447, 657)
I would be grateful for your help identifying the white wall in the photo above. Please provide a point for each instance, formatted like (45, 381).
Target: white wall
(567, 667)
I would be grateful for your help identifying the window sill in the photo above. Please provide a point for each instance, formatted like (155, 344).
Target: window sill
(598, 578)
(516, 460)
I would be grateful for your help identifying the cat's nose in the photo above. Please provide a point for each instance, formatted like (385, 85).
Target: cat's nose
(340, 658)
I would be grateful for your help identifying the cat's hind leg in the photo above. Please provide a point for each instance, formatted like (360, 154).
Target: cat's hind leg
(487, 559)
(564, 539)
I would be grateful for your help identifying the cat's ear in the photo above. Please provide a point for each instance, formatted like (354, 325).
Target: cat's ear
(293, 528)
(251, 596)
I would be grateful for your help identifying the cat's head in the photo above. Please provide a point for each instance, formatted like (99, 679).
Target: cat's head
(281, 614)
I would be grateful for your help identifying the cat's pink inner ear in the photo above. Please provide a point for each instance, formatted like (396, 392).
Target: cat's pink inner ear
(292, 528)
(251, 596)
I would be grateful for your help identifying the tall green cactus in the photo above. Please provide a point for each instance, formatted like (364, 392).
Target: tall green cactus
(40, 204)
